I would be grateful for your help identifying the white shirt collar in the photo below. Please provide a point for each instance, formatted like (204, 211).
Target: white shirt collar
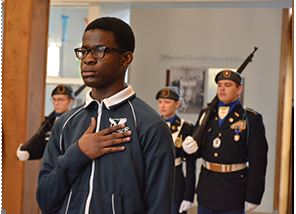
(114, 99)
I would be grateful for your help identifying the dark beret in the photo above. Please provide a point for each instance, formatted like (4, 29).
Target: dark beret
(228, 75)
(169, 92)
(63, 89)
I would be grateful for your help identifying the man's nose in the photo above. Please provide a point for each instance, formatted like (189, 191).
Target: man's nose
(89, 59)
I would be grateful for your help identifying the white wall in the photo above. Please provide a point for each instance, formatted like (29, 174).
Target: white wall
(213, 38)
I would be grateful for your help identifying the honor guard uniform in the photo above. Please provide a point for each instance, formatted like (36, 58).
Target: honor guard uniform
(62, 97)
(168, 102)
(233, 152)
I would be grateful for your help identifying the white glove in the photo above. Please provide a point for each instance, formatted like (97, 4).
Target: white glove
(249, 206)
(189, 145)
(185, 205)
(22, 155)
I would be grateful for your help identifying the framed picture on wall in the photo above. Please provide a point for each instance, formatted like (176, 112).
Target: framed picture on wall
(190, 80)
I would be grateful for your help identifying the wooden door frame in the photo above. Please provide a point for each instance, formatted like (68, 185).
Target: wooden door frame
(24, 54)
(283, 168)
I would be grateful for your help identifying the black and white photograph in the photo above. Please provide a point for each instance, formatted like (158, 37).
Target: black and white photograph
(190, 81)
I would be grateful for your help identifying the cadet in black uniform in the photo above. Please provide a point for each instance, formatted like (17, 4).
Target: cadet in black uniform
(62, 99)
(168, 103)
(233, 152)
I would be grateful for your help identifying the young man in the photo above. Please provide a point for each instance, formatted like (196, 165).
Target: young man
(114, 154)
(233, 152)
(62, 99)
(168, 104)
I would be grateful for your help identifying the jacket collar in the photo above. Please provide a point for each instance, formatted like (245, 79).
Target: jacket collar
(113, 100)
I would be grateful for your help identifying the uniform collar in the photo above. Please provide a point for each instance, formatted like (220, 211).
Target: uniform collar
(171, 119)
(233, 103)
(113, 100)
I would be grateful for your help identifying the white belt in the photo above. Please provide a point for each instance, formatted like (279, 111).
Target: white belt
(217, 167)
(178, 161)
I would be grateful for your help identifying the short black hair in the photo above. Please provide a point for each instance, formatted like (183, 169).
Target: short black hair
(122, 32)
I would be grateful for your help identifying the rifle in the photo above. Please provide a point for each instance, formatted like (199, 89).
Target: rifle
(198, 134)
(33, 149)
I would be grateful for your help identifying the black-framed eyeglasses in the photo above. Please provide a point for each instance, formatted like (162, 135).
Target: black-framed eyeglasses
(97, 52)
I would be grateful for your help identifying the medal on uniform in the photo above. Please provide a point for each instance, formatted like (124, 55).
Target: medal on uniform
(216, 142)
(236, 136)
(178, 142)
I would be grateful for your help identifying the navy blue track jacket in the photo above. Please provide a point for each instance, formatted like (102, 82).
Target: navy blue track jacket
(138, 180)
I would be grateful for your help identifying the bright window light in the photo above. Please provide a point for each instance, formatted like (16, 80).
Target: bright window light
(53, 60)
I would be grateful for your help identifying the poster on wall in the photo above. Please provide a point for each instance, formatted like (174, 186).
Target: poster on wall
(190, 80)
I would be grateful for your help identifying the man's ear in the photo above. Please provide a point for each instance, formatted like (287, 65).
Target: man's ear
(240, 90)
(178, 104)
(127, 58)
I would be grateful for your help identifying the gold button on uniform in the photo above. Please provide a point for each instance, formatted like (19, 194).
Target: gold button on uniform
(216, 154)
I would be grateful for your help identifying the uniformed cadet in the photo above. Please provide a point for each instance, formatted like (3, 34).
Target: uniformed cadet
(168, 103)
(62, 98)
(233, 152)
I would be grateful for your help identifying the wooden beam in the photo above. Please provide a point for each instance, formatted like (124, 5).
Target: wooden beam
(24, 71)
(283, 143)
(37, 79)
(286, 140)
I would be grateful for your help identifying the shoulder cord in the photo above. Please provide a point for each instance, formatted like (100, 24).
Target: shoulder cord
(176, 135)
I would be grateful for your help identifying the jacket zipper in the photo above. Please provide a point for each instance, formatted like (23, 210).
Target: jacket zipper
(113, 204)
(91, 180)
(68, 202)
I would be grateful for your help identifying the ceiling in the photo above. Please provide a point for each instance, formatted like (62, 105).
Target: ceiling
(183, 4)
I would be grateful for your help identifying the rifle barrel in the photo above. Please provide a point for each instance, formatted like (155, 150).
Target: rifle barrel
(246, 62)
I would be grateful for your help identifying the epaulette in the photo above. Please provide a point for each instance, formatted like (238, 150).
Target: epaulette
(251, 110)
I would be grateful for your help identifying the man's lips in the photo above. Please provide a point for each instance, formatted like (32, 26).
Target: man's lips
(88, 73)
